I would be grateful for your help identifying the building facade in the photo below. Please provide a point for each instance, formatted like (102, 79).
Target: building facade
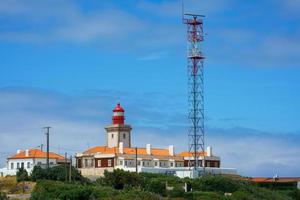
(119, 154)
(28, 159)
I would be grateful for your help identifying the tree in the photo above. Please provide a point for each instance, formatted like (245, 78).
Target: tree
(38, 174)
(22, 175)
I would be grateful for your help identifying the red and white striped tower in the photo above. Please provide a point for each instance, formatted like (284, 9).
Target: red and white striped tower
(118, 132)
(118, 115)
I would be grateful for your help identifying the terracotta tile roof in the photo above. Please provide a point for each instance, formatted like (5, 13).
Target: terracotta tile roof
(101, 149)
(273, 180)
(36, 153)
(127, 150)
(189, 154)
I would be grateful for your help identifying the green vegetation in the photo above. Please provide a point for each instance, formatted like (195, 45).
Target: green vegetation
(3, 196)
(119, 185)
(58, 173)
(22, 175)
(46, 189)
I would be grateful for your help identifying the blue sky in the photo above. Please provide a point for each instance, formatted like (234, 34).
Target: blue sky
(67, 63)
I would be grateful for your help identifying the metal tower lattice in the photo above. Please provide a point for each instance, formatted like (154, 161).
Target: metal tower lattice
(195, 82)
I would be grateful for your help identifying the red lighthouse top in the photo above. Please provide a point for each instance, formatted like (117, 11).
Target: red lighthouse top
(118, 115)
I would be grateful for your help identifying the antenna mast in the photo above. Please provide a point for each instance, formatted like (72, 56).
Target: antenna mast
(196, 89)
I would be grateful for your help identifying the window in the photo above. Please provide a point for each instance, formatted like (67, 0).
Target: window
(208, 164)
(99, 163)
(11, 165)
(125, 162)
(160, 164)
(51, 163)
(129, 163)
(39, 163)
(85, 162)
(124, 135)
(147, 163)
(143, 163)
(28, 164)
(121, 162)
(22, 165)
(112, 135)
(18, 165)
(172, 164)
(155, 164)
(139, 162)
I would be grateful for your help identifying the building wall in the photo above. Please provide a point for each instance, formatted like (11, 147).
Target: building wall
(208, 163)
(115, 137)
(104, 162)
(94, 171)
(27, 163)
(125, 138)
(112, 139)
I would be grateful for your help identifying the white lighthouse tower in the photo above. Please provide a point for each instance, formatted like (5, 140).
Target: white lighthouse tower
(118, 131)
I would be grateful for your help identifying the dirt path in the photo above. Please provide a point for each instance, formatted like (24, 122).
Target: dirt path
(18, 196)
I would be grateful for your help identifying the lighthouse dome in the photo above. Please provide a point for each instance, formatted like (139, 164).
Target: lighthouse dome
(118, 108)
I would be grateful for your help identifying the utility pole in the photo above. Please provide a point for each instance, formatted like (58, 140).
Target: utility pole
(70, 169)
(47, 135)
(136, 164)
(66, 161)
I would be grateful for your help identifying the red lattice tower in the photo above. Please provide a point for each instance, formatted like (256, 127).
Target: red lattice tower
(196, 89)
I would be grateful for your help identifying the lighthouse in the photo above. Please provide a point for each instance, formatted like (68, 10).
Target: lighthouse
(118, 132)
(118, 115)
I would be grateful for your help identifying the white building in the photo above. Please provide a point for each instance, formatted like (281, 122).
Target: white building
(27, 159)
(118, 153)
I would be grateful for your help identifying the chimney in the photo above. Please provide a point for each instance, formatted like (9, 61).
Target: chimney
(26, 152)
(19, 151)
(209, 151)
(148, 149)
(121, 148)
(171, 150)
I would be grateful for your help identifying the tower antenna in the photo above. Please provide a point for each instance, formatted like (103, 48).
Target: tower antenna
(195, 37)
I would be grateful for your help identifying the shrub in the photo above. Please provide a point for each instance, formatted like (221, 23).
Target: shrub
(3, 196)
(22, 175)
(46, 189)
(203, 196)
(119, 179)
(57, 173)
(215, 184)
(157, 186)
(38, 174)
(176, 192)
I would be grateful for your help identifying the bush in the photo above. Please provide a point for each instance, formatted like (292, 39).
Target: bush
(157, 186)
(203, 196)
(3, 196)
(38, 174)
(215, 184)
(46, 189)
(176, 192)
(119, 179)
(22, 175)
(57, 173)
(136, 195)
